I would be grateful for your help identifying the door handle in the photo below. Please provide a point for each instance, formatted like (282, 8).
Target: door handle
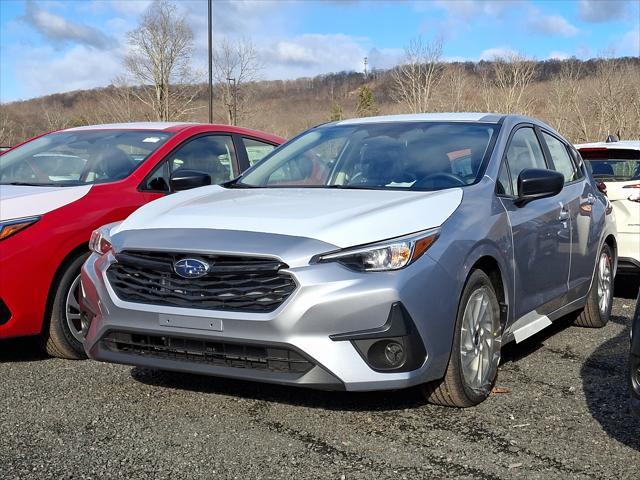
(564, 214)
(591, 199)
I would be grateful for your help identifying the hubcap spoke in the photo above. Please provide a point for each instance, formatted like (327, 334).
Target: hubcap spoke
(604, 282)
(72, 310)
(479, 352)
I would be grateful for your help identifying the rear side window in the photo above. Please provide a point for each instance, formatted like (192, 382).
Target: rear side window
(561, 159)
(256, 150)
(523, 152)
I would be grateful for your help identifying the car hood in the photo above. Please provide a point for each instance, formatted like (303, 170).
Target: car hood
(19, 201)
(342, 218)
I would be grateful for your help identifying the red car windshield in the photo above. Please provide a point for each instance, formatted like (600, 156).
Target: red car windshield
(79, 158)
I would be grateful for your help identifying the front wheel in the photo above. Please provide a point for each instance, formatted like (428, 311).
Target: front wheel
(63, 337)
(597, 310)
(475, 353)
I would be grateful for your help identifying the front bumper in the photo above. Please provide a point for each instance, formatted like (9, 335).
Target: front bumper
(330, 301)
(629, 253)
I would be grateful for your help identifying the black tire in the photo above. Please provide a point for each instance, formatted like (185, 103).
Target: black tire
(57, 337)
(453, 390)
(592, 316)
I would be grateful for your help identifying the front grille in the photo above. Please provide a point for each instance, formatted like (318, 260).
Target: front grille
(233, 283)
(225, 354)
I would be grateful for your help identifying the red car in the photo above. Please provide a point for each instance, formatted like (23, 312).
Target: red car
(57, 188)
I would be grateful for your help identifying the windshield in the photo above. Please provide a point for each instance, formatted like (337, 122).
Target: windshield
(79, 158)
(390, 156)
(617, 165)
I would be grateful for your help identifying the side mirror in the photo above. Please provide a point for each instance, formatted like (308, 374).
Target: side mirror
(183, 179)
(536, 183)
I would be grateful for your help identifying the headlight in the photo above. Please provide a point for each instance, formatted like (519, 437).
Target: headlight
(100, 241)
(392, 254)
(11, 227)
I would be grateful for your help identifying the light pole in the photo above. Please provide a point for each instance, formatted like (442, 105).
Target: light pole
(235, 99)
(210, 21)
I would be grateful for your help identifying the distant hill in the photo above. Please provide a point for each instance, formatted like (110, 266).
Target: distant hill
(585, 100)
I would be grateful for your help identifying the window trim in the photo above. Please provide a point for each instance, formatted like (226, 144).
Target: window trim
(503, 160)
(571, 157)
(165, 160)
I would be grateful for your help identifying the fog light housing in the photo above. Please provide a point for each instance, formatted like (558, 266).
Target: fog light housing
(387, 354)
(396, 346)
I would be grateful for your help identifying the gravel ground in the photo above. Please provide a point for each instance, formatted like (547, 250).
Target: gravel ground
(564, 414)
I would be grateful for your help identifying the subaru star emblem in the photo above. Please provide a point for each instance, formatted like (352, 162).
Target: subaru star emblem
(191, 268)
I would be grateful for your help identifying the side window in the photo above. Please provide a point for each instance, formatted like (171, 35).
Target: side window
(212, 154)
(159, 179)
(561, 159)
(256, 150)
(523, 152)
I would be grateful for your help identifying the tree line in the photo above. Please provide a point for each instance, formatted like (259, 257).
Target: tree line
(584, 100)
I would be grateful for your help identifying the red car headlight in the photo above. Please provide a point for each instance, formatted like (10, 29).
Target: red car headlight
(11, 227)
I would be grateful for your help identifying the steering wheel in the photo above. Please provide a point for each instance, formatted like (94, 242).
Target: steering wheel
(454, 179)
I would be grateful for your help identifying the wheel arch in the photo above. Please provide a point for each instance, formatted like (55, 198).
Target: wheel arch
(491, 267)
(613, 244)
(66, 261)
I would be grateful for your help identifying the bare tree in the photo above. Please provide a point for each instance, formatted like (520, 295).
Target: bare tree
(235, 66)
(415, 80)
(55, 116)
(568, 110)
(161, 50)
(455, 82)
(7, 127)
(609, 99)
(120, 103)
(505, 84)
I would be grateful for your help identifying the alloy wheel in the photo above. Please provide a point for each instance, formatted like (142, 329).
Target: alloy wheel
(72, 310)
(604, 282)
(480, 341)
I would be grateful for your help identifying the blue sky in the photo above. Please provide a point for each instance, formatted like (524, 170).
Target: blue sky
(49, 46)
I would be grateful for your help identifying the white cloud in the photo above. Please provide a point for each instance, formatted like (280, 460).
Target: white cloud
(556, 55)
(497, 52)
(550, 24)
(629, 43)
(59, 29)
(79, 68)
(598, 11)
(311, 54)
(470, 9)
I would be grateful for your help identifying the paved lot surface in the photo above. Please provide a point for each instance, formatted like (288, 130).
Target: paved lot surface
(565, 416)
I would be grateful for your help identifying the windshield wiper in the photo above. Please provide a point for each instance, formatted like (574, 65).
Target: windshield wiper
(29, 184)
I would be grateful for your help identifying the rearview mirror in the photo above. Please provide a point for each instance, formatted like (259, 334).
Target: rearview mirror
(537, 183)
(183, 179)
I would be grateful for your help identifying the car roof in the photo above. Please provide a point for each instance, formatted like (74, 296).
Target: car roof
(619, 145)
(166, 126)
(175, 127)
(427, 117)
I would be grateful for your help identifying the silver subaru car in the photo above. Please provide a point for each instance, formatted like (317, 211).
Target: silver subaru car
(365, 254)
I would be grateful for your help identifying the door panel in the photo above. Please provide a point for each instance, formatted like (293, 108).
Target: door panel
(542, 252)
(541, 232)
(578, 197)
